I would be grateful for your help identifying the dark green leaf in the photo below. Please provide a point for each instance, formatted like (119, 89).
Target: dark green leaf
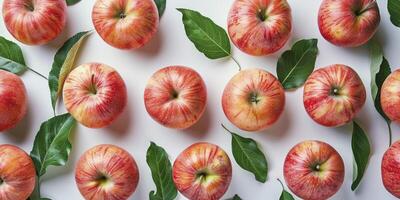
(160, 6)
(236, 197)
(161, 171)
(394, 11)
(11, 57)
(72, 2)
(295, 65)
(51, 145)
(285, 195)
(208, 37)
(63, 64)
(361, 152)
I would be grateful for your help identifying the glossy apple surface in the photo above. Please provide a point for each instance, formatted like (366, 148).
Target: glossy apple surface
(313, 170)
(259, 27)
(348, 23)
(94, 94)
(390, 96)
(175, 97)
(34, 22)
(390, 169)
(106, 172)
(125, 24)
(253, 99)
(17, 173)
(333, 95)
(203, 171)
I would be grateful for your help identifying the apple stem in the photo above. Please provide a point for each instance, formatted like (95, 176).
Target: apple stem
(390, 133)
(369, 6)
(283, 187)
(234, 59)
(223, 126)
(36, 72)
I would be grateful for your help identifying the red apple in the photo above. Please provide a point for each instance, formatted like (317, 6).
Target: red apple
(34, 22)
(106, 172)
(333, 95)
(175, 97)
(17, 173)
(348, 23)
(203, 171)
(253, 99)
(390, 169)
(259, 27)
(13, 100)
(313, 170)
(94, 94)
(390, 96)
(125, 24)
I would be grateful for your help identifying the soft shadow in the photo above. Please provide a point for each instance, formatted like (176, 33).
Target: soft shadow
(200, 129)
(22, 130)
(121, 126)
(280, 129)
(153, 47)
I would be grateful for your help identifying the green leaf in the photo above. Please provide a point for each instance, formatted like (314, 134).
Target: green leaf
(51, 145)
(249, 156)
(209, 38)
(161, 171)
(11, 57)
(236, 197)
(394, 11)
(63, 64)
(295, 65)
(160, 6)
(72, 2)
(361, 152)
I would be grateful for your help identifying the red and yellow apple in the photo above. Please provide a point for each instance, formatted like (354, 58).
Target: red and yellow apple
(17, 173)
(390, 169)
(13, 100)
(94, 94)
(34, 22)
(313, 170)
(348, 23)
(125, 24)
(253, 99)
(390, 96)
(259, 27)
(333, 95)
(202, 171)
(175, 97)
(106, 172)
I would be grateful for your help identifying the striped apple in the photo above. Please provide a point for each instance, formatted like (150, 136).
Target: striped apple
(202, 171)
(390, 96)
(175, 97)
(390, 169)
(34, 22)
(94, 94)
(333, 95)
(259, 27)
(125, 24)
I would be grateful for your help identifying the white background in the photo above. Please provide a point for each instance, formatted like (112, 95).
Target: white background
(135, 129)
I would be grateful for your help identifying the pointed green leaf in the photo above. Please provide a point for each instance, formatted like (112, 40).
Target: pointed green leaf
(72, 2)
(361, 152)
(160, 6)
(236, 197)
(285, 195)
(394, 11)
(11, 57)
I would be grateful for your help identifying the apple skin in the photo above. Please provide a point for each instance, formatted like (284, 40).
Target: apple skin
(106, 172)
(313, 170)
(35, 22)
(259, 27)
(390, 96)
(17, 173)
(333, 95)
(125, 24)
(13, 100)
(390, 169)
(253, 99)
(203, 171)
(340, 23)
(94, 94)
(175, 97)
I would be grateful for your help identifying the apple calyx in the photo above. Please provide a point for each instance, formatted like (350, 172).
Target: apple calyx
(316, 167)
(103, 180)
(335, 91)
(254, 97)
(29, 6)
(262, 14)
(121, 14)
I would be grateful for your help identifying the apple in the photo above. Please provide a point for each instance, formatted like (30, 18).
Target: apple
(94, 94)
(390, 169)
(17, 173)
(203, 171)
(348, 23)
(34, 22)
(313, 170)
(259, 27)
(253, 99)
(106, 172)
(13, 100)
(333, 95)
(390, 96)
(125, 24)
(175, 97)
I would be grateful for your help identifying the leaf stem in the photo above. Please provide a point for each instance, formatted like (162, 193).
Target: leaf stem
(283, 187)
(223, 126)
(36, 72)
(239, 66)
(390, 132)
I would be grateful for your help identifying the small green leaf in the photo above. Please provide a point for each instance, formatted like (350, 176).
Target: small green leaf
(394, 11)
(295, 65)
(160, 6)
(72, 2)
(63, 64)
(208, 37)
(236, 197)
(161, 171)
(11, 57)
(51, 145)
(361, 152)
(249, 156)
(285, 195)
